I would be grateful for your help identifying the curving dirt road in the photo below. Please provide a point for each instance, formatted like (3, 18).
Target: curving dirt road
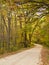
(28, 57)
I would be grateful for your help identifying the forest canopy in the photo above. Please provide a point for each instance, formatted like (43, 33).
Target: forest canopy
(23, 23)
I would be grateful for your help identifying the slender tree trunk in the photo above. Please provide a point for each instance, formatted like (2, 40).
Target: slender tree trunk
(8, 33)
(25, 39)
(30, 37)
(15, 31)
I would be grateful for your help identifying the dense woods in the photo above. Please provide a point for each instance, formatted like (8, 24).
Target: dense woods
(23, 23)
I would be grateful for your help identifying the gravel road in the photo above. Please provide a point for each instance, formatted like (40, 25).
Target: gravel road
(27, 57)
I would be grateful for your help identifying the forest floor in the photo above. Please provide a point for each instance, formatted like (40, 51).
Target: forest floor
(28, 57)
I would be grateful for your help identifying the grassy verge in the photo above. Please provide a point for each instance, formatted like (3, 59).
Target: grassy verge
(14, 52)
(45, 56)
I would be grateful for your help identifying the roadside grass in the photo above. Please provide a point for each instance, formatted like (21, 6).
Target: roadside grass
(15, 51)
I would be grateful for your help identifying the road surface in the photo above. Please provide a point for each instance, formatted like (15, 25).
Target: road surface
(27, 57)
